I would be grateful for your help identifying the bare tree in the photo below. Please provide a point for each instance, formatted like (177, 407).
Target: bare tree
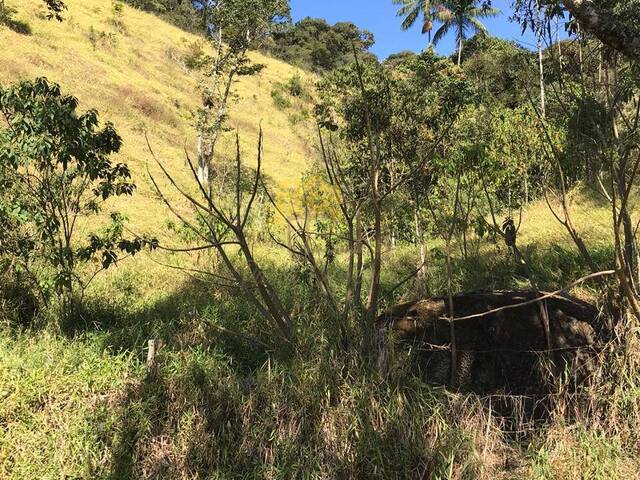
(222, 228)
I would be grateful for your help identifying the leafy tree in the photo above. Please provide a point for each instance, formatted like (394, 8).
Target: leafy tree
(398, 58)
(499, 69)
(463, 16)
(314, 44)
(236, 27)
(55, 172)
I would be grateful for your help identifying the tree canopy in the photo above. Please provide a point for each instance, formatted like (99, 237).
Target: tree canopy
(314, 44)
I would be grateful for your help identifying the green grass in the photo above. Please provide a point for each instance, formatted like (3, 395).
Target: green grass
(222, 406)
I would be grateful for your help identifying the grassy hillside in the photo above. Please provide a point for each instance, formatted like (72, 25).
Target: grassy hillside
(133, 73)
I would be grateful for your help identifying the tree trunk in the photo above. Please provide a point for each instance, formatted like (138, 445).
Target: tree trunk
(420, 244)
(606, 27)
(543, 106)
(357, 286)
(452, 323)
(204, 160)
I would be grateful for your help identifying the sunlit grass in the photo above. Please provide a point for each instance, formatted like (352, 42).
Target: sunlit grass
(136, 79)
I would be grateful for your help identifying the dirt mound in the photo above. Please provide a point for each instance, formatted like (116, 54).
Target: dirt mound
(512, 343)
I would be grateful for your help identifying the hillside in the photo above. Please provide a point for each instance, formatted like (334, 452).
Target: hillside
(132, 71)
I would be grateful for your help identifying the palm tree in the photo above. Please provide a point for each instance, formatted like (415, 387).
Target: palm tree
(411, 10)
(464, 16)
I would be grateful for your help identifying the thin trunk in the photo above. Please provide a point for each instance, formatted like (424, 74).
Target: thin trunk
(421, 265)
(374, 288)
(270, 299)
(452, 324)
(204, 160)
(543, 108)
(348, 300)
(357, 287)
(460, 50)
(559, 53)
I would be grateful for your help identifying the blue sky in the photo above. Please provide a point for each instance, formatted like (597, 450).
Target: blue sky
(379, 17)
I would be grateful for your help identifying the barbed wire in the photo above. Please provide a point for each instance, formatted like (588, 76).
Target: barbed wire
(446, 348)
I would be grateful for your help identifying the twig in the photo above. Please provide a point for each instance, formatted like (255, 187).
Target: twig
(539, 299)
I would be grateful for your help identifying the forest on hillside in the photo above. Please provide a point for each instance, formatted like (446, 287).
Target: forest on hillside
(449, 287)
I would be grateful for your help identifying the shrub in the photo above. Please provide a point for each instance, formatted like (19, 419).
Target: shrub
(100, 38)
(295, 86)
(279, 99)
(194, 55)
(54, 171)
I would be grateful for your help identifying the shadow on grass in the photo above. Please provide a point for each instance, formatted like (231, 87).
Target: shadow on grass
(198, 418)
(220, 405)
(193, 315)
(18, 26)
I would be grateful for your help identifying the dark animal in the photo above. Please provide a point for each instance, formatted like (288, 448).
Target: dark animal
(510, 350)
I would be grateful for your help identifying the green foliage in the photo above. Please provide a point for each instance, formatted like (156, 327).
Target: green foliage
(314, 44)
(499, 69)
(55, 9)
(117, 16)
(412, 10)
(100, 38)
(240, 25)
(292, 93)
(463, 16)
(279, 99)
(246, 23)
(55, 171)
(295, 87)
(195, 55)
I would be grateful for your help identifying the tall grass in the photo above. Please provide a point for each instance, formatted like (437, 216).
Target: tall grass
(223, 405)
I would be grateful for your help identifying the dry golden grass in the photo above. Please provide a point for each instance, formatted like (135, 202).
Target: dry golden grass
(135, 77)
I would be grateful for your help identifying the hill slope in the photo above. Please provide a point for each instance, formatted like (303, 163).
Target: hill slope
(133, 73)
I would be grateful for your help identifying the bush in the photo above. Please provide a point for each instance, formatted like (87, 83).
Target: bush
(54, 170)
(194, 55)
(279, 99)
(295, 87)
(100, 38)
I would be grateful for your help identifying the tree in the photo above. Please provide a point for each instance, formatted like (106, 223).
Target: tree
(55, 171)
(609, 28)
(463, 16)
(497, 67)
(221, 218)
(411, 10)
(390, 124)
(613, 22)
(236, 27)
(314, 44)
